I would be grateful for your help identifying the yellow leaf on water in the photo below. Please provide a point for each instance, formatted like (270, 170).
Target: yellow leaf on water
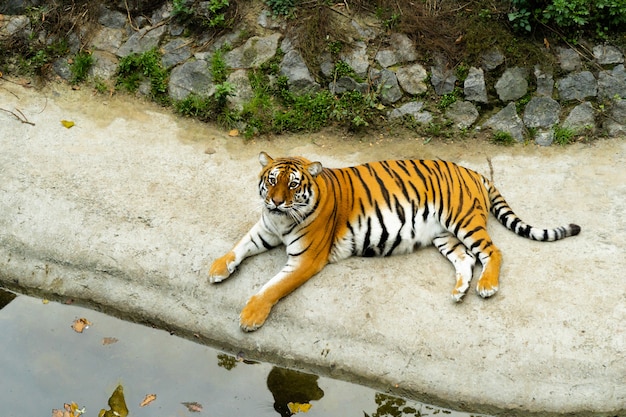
(45, 301)
(149, 398)
(109, 340)
(80, 324)
(233, 132)
(67, 123)
(296, 408)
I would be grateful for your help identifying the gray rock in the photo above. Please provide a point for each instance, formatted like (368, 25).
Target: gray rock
(544, 137)
(513, 84)
(401, 50)
(462, 113)
(162, 13)
(108, 39)
(580, 118)
(615, 123)
(413, 109)
(542, 112)
(142, 41)
(569, 59)
(15, 26)
(344, 84)
(367, 34)
(507, 120)
(112, 19)
(327, 66)
(357, 59)
(254, 52)
(268, 21)
(442, 80)
(606, 55)
(104, 65)
(386, 84)
(492, 59)
(294, 68)
(61, 67)
(175, 52)
(474, 86)
(191, 77)
(612, 84)
(545, 82)
(577, 86)
(412, 79)
(244, 93)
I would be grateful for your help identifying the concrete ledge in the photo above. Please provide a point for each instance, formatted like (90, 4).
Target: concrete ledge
(127, 209)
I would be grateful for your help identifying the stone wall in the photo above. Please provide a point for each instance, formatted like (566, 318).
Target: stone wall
(584, 96)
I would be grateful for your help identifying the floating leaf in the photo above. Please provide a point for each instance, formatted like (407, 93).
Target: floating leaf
(45, 301)
(69, 410)
(233, 132)
(67, 123)
(149, 398)
(194, 407)
(109, 340)
(117, 404)
(296, 408)
(81, 324)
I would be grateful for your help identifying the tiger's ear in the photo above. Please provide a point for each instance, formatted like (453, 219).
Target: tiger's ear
(314, 168)
(264, 159)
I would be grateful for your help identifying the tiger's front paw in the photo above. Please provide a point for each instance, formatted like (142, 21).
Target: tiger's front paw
(222, 268)
(254, 313)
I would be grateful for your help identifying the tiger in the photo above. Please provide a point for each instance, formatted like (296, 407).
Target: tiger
(323, 215)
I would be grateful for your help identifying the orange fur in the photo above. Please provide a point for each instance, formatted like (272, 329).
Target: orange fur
(324, 215)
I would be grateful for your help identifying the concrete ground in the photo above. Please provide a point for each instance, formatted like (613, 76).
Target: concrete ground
(127, 209)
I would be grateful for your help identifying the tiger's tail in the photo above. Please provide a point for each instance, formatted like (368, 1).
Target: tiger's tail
(505, 215)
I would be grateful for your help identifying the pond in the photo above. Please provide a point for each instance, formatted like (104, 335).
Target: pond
(47, 363)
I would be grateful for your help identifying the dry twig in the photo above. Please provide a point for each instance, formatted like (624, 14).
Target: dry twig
(19, 116)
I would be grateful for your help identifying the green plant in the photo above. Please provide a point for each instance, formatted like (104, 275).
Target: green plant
(100, 85)
(334, 47)
(521, 103)
(135, 68)
(562, 135)
(282, 7)
(447, 99)
(219, 69)
(343, 69)
(222, 92)
(217, 17)
(80, 66)
(461, 71)
(180, 9)
(388, 18)
(596, 16)
(306, 112)
(503, 138)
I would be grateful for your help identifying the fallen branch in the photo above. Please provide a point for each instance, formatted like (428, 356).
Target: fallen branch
(19, 116)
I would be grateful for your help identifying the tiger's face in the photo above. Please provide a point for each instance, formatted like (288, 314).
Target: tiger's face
(287, 185)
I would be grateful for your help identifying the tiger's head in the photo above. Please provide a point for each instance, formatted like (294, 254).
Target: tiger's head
(287, 185)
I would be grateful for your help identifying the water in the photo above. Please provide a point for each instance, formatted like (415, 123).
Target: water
(45, 363)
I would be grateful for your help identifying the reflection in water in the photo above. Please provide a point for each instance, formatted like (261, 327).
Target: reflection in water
(292, 390)
(393, 407)
(5, 297)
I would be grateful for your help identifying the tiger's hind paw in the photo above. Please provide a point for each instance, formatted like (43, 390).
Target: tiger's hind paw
(460, 289)
(486, 291)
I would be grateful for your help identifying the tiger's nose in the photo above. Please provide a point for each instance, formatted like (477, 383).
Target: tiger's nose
(277, 201)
